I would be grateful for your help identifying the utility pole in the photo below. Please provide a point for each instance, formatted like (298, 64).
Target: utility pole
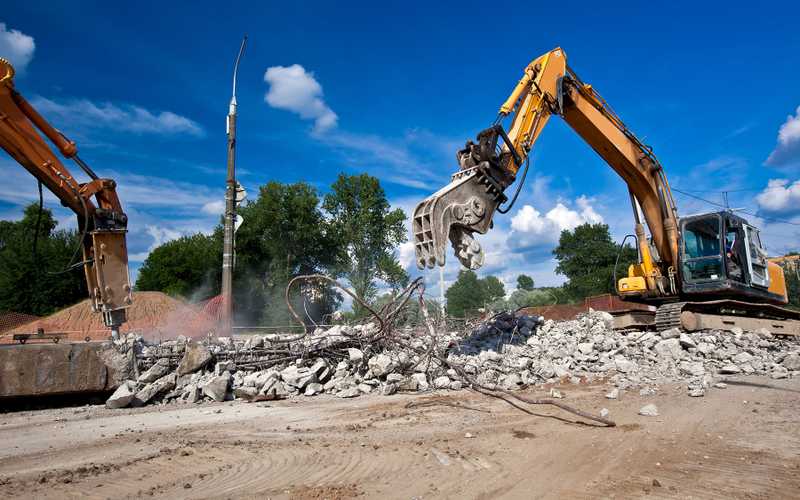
(230, 208)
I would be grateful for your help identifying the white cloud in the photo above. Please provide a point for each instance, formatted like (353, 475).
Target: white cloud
(780, 197)
(406, 255)
(160, 236)
(123, 117)
(214, 207)
(536, 234)
(529, 221)
(16, 47)
(414, 160)
(787, 151)
(294, 89)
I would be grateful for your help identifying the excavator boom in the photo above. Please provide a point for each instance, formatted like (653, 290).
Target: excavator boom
(101, 222)
(488, 166)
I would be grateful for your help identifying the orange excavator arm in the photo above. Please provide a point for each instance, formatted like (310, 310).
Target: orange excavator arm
(102, 223)
(491, 164)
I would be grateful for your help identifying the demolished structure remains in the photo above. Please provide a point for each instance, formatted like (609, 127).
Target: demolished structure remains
(495, 357)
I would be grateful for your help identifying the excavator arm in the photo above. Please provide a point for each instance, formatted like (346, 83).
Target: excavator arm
(102, 223)
(487, 167)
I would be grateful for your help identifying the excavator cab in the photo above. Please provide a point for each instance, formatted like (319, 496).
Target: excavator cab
(722, 254)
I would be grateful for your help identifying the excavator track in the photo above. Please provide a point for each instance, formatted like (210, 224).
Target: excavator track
(727, 315)
(669, 316)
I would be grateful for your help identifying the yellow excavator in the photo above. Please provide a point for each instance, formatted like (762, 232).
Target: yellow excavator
(703, 271)
(102, 225)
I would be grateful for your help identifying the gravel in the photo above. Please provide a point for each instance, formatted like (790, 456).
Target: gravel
(506, 352)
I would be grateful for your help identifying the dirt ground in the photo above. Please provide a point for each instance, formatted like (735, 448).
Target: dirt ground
(738, 442)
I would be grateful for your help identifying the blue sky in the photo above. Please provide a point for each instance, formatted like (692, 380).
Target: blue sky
(393, 89)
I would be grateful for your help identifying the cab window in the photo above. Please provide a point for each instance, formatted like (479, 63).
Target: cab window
(702, 252)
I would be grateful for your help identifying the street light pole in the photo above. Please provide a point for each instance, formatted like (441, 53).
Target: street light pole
(230, 208)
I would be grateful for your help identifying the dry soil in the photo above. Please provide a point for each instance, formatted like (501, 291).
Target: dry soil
(738, 442)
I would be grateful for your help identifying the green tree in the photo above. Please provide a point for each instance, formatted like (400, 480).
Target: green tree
(530, 298)
(284, 235)
(465, 294)
(492, 289)
(33, 282)
(586, 256)
(792, 275)
(366, 231)
(468, 294)
(188, 266)
(524, 282)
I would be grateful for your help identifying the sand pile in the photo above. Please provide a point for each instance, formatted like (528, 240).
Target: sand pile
(9, 320)
(153, 315)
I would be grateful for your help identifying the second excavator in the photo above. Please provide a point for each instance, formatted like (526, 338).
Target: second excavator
(101, 222)
(703, 271)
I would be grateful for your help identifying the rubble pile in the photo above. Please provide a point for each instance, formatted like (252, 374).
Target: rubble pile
(588, 348)
(507, 352)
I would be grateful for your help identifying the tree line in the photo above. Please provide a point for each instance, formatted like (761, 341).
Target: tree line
(586, 256)
(290, 230)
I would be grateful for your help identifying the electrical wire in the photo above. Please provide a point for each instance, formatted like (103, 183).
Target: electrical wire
(72, 264)
(768, 219)
(619, 252)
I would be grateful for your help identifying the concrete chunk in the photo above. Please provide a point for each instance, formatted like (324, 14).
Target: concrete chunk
(196, 356)
(791, 362)
(155, 372)
(298, 377)
(650, 410)
(123, 396)
(352, 392)
(669, 348)
(148, 392)
(217, 387)
(381, 365)
(246, 393)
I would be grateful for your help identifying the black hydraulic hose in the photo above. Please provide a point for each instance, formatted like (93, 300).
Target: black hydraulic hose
(619, 252)
(38, 224)
(519, 188)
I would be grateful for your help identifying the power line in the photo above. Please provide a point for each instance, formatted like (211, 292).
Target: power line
(718, 191)
(699, 198)
(768, 219)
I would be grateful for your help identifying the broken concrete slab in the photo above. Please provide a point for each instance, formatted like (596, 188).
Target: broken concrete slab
(217, 387)
(669, 348)
(274, 389)
(355, 355)
(246, 393)
(791, 362)
(155, 372)
(298, 376)
(123, 396)
(351, 392)
(381, 365)
(43, 369)
(153, 389)
(195, 357)
(313, 389)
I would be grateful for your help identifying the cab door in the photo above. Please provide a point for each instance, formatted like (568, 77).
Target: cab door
(756, 257)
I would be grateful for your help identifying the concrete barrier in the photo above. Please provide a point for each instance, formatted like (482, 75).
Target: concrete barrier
(48, 369)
